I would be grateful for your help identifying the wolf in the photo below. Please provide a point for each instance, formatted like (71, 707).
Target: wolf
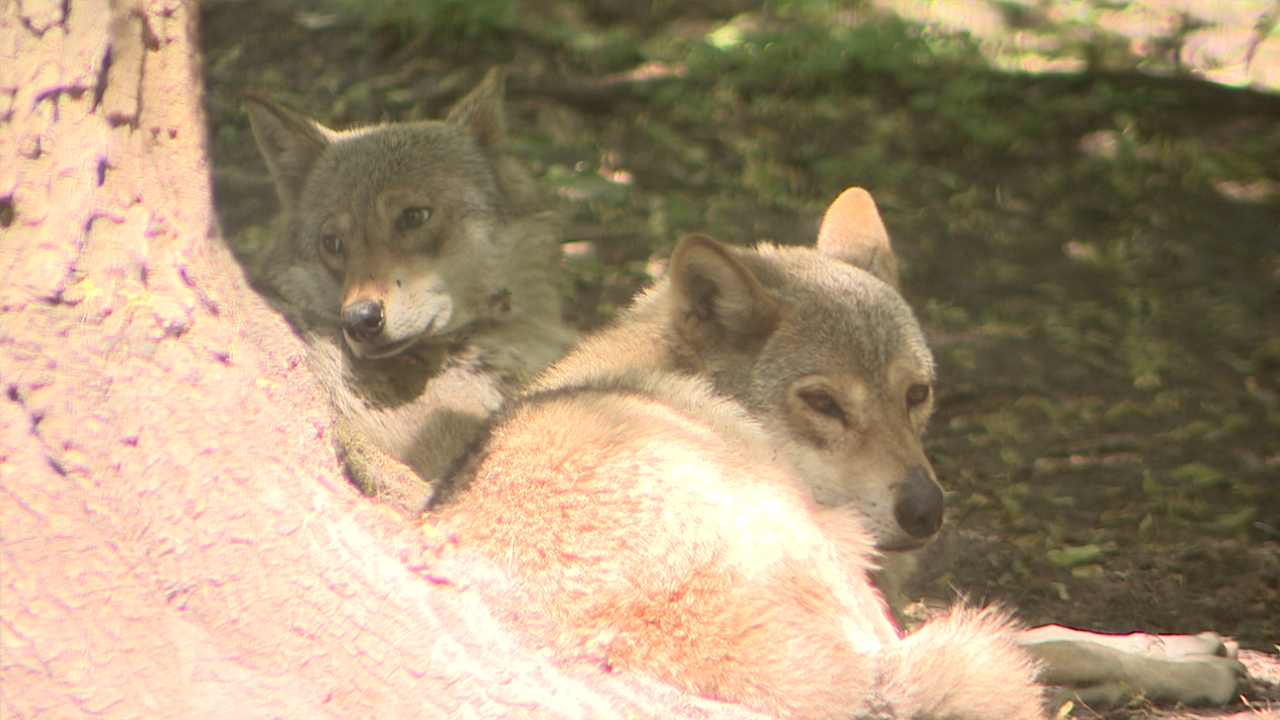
(414, 261)
(651, 490)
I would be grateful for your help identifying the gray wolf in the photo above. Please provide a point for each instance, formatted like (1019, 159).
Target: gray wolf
(413, 260)
(650, 489)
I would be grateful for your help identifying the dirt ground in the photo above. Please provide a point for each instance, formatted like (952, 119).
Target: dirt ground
(1095, 254)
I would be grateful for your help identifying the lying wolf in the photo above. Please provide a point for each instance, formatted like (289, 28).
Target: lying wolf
(413, 260)
(651, 491)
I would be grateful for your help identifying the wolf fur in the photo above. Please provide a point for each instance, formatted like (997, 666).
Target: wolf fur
(650, 489)
(412, 259)
(1094, 668)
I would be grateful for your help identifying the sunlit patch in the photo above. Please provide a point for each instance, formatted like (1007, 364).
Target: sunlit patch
(1218, 40)
(1083, 252)
(1256, 191)
(1101, 144)
(579, 250)
(656, 267)
(652, 70)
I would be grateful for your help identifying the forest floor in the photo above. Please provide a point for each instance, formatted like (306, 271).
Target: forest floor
(1094, 250)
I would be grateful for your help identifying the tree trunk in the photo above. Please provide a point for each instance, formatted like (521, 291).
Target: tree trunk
(176, 538)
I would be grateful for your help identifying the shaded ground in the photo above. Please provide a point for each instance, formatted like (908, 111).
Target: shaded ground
(1096, 256)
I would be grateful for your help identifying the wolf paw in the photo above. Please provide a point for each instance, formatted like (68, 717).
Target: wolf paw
(377, 474)
(1104, 670)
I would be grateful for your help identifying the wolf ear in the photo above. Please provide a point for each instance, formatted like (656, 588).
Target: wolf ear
(716, 296)
(482, 111)
(853, 232)
(290, 143)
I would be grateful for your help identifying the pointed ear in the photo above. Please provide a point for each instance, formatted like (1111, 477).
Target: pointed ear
(717, 299)
(290, 143)
(482, 111)
(853, 232)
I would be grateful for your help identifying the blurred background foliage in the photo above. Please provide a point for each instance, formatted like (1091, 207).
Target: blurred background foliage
(1085, 195)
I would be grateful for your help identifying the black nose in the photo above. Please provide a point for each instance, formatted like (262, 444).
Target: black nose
(363, 319)
(919, 504)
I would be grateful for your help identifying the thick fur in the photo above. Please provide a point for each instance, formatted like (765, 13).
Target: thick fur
(837, 369)
(651, 491)
(413, 261)
(1093, 668)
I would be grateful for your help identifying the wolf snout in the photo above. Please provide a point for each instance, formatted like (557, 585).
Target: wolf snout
(918, 506)
(364, 319)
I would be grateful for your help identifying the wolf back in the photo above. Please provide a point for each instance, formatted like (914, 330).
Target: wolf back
(664, 525)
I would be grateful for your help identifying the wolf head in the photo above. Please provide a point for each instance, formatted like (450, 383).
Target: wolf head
(822, 349)
(389, 232)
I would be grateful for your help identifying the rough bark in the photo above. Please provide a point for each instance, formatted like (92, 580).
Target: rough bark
(176, 539)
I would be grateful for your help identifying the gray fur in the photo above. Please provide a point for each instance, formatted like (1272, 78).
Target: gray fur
(468, 299)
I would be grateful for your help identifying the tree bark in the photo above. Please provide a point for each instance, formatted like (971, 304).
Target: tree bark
(176, 537)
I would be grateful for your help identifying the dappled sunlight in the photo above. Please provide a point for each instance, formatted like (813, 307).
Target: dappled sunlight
(1232, 42)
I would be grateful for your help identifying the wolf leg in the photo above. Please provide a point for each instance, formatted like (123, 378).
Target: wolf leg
(377, 474)
(1102, 670)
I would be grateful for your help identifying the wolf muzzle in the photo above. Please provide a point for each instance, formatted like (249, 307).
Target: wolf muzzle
(363, 320)
(918, 506)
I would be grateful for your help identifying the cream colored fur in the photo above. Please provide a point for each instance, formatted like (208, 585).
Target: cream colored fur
(652, 489)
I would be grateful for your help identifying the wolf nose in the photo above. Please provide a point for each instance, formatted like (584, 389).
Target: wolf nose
(919, 504)
(363, 319)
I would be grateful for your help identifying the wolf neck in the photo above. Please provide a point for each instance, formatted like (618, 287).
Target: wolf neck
(640, 339)
(529, 269)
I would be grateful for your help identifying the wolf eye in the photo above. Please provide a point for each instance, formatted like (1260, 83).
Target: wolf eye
(917, 394)
(331, 243)
(413, 217)
(822, 402)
